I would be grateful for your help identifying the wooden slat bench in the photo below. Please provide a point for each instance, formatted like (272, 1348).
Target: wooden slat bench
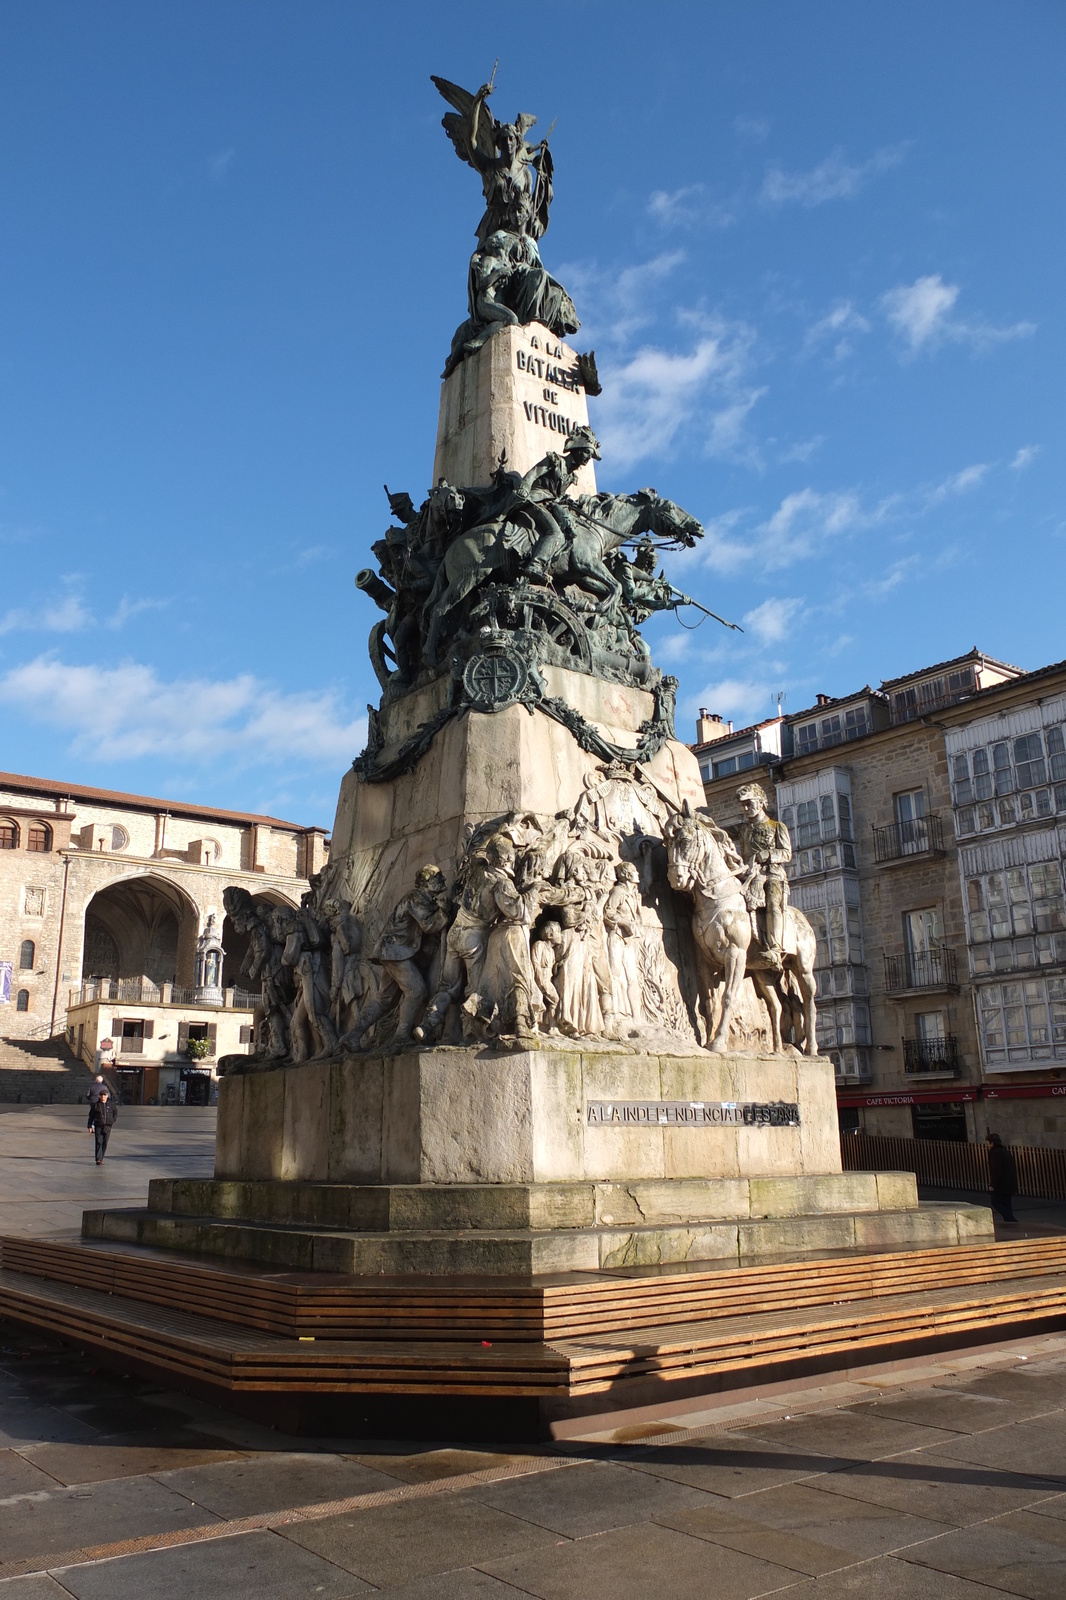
(572, 1306)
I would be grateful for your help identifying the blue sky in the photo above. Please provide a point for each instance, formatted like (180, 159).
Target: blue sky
(818, 249)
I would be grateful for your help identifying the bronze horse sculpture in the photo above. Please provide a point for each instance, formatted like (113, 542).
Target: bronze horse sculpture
(595, 525)
(703, 862)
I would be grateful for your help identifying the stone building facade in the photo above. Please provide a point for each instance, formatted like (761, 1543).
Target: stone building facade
(117, 887)
(928, 821)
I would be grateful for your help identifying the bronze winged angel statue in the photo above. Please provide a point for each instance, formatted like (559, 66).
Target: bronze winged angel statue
(516, 177)
(508, 282)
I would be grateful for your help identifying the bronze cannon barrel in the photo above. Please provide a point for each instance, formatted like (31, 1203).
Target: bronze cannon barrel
(378, 590)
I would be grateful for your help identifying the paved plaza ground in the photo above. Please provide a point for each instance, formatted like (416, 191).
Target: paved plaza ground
(942, 1479)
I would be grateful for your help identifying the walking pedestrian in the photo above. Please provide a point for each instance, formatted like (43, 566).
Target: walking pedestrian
(1002, 1179)
(102, 1114)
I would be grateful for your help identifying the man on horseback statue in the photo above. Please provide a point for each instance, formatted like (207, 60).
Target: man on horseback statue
(544, 483)
(766, 848)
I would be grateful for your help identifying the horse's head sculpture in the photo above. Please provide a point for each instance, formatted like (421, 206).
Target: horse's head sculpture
(684, 849)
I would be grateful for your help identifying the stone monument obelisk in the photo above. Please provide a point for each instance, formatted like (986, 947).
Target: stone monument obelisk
(539, 1012)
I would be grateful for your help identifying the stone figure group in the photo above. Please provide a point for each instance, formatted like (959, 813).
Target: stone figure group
(563, 928)
(525, 552)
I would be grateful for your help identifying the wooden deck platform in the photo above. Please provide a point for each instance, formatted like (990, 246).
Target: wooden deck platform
(531, 1352)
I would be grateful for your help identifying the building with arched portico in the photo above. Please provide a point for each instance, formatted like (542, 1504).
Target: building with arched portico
(103, 897)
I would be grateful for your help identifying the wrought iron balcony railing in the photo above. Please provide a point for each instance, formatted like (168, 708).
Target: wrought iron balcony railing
(931, 1055)
(929, 969)
(902, 839)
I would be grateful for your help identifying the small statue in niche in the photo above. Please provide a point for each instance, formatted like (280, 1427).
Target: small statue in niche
(622, 920)
(407, 946)
(544, 955)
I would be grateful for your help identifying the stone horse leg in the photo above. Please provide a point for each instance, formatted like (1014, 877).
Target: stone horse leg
(728, 936)
(801, 965)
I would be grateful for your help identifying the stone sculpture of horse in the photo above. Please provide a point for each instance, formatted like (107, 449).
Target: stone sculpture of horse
(700, 857)
(594, 526)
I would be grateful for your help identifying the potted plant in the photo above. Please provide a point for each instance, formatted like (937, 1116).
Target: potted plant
(197, 1049)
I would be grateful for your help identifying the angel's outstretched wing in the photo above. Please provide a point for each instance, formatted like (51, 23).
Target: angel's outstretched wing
(471, 126)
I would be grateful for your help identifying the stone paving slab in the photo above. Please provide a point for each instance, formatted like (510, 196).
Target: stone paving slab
(935, 1486)
(49, 1174)
(801, 1527)
(637, 1563)
(1036, 1448)
(252, 1566)
(105, 1458)
(735, 1464)
(590, 1499)
(66, 1519)
(39, 1586)
(1022, 1553)
(892, 1579)
(402, 1542)
(241, 1488)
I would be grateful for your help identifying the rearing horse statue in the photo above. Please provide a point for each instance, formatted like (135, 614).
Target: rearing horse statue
(594, 524)
(702, 862)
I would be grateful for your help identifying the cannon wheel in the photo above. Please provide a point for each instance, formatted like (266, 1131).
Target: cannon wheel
(529, 608)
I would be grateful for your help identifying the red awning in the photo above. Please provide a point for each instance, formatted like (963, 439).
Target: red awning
(916, 1097)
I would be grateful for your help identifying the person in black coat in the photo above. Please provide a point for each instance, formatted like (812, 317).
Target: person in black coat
(102, 1114)
(1002, 1178)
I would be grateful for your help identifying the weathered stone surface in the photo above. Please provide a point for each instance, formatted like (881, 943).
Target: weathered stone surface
(465, 1115)
(496, 1252)
(494, 403)
(481, 767)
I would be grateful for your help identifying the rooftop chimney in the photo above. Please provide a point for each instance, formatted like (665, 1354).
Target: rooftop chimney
(709, 726)
(823, 699)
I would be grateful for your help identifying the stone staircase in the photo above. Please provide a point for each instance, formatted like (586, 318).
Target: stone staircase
(41, 1072)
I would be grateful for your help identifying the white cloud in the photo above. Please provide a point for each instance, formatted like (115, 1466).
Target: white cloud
(652, 395)
(802, 450)
(1024, 457)
(757, 128)
(127, 609)
(807, 519)
(128, 711)
(897, 573)
(832, 179)
(920, 312)
(616, 304)
(803, 521)
(737, 699)
(836, 325)
(674, 206)
(958, 483)
(63, 616)
(220, 163)
(770, 622)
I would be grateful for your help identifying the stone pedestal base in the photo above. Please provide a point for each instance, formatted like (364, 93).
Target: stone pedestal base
(470, 1116)
(459, 1161)
(526, 1231)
